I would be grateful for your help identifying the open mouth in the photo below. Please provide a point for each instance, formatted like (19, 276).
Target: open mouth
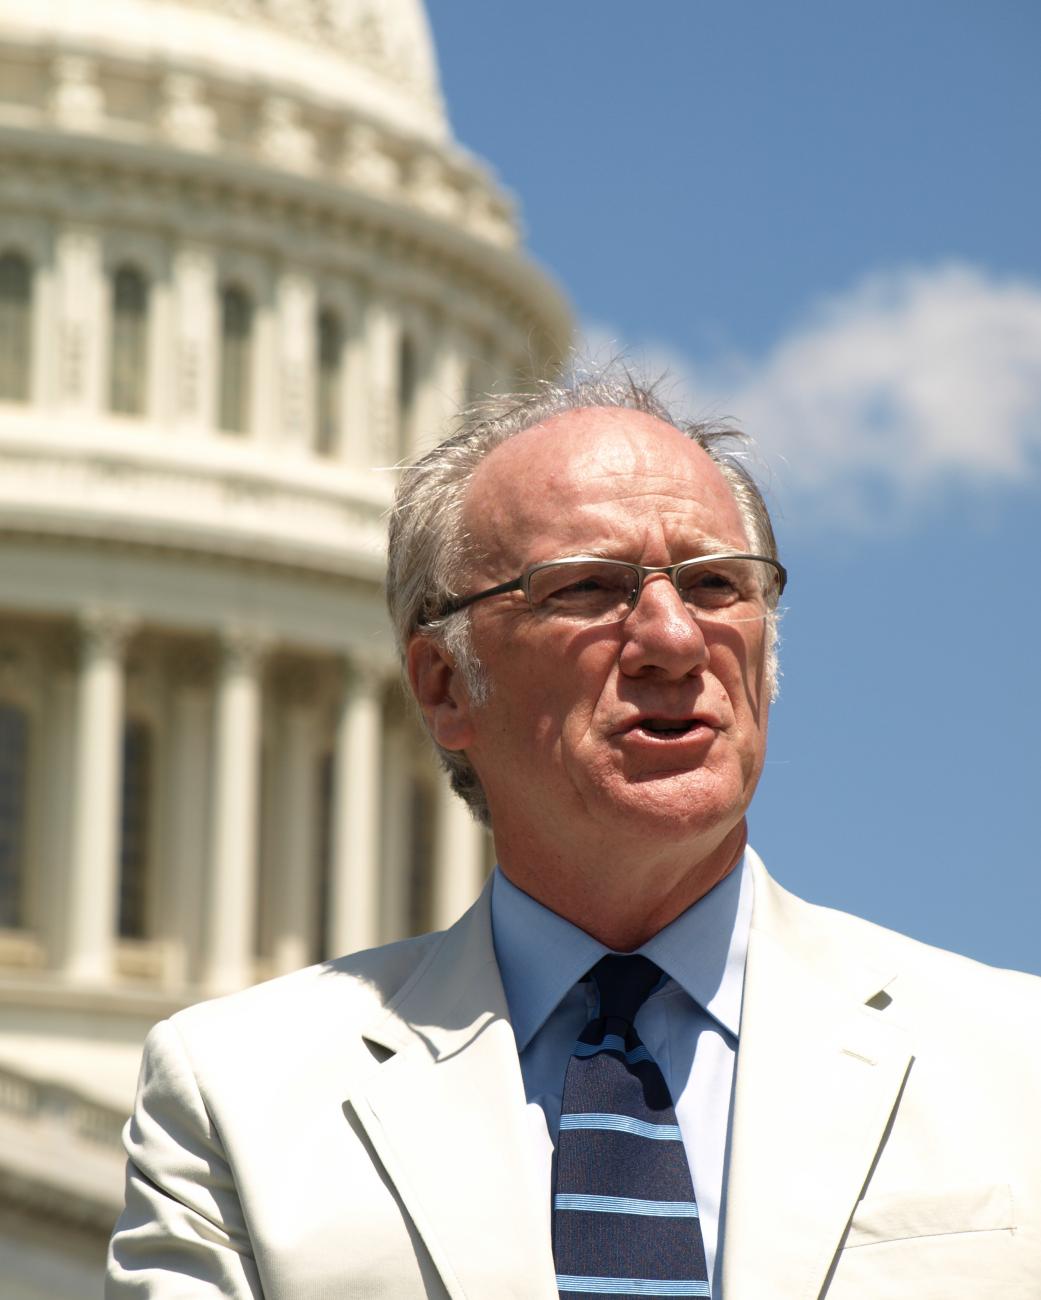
(667, 728)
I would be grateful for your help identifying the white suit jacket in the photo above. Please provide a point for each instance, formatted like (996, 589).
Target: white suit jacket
(358, 1129)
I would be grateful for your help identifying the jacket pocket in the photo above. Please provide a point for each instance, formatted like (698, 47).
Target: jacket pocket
(903, 1216)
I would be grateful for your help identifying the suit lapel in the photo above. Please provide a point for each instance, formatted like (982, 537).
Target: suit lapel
(446, 1115)
(819, 1075)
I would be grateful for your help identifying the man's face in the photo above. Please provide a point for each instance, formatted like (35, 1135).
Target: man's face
(653, 727)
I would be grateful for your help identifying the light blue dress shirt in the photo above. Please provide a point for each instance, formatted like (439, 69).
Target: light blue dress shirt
(690, 1025)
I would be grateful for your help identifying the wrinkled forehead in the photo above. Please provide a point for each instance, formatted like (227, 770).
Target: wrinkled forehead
(614, 465)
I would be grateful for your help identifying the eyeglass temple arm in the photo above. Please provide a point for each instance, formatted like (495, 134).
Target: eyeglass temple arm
(454, 606)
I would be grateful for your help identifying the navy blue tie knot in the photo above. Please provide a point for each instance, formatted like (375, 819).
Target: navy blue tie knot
(624, 982)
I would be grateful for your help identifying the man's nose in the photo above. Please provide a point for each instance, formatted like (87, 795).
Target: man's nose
(662, 636)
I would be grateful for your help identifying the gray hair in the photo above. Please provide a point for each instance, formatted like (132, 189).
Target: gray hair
(429, 551)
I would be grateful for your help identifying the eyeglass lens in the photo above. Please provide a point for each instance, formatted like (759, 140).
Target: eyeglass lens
(604, 591)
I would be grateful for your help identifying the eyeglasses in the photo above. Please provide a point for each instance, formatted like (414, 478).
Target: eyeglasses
(581, 589)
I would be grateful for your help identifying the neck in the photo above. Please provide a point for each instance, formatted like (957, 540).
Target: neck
(621, 899)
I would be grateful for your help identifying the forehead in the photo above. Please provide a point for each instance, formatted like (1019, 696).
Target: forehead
(607, 478)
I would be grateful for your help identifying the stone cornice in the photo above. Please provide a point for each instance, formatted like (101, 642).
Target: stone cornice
(321, 520)
(43, 990)
(378, 58)
(241, 200)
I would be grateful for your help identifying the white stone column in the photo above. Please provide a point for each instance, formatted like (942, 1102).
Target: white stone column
(297, 361)
(353, 447)
(265, 414)
(444, 391)
(187, 828)
(383, 345)
(81, 292)
(354, 876)
(195, 326)
(161, 395)
(92, 885)
(458, 857)
(45, 388)
(293, 879)
(231, 881)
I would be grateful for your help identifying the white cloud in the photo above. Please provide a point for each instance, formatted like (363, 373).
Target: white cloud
(911, 382)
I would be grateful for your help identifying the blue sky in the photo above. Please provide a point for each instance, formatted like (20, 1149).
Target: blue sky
(824, 219)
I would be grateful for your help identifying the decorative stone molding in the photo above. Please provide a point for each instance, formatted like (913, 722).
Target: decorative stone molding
(104, 633)
(186, 118)
(243, 649)
(365, 160)
(430, 186)
(427, 255)
(44, 1102)
(249, 511)
(284, 140)
(77, 100)
(382, 37)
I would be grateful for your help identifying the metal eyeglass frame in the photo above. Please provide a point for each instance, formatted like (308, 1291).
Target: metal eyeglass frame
(642, 571)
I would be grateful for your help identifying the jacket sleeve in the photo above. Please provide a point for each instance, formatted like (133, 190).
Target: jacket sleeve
(183, 1232)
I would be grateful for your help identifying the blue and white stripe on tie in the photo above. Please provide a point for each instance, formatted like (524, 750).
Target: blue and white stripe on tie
(624, 1205)
(623, 1124)
(567, 1284)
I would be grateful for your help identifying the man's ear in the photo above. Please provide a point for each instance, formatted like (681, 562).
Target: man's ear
(440, 692)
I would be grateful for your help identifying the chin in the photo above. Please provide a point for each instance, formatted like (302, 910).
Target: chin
(676, 805)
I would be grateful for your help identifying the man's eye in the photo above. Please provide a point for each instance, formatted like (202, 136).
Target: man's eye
(580, 586)
(712, 586)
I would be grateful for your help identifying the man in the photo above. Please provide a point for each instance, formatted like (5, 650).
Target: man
(768, 1100)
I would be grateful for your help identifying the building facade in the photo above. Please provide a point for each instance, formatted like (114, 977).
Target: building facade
(245, 270)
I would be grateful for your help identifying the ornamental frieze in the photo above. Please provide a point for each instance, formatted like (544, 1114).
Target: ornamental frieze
(386, 38)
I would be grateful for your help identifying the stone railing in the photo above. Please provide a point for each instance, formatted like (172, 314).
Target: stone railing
(39, 1101)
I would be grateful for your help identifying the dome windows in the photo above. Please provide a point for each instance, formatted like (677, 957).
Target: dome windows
(14, 749)
(408, 389)
(15, 326)
(128, 359)
(236, 351)
(329, 388)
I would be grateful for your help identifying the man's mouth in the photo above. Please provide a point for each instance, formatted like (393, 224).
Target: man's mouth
(666, 728)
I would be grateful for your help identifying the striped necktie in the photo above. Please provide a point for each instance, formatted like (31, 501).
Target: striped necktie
(625, 1221)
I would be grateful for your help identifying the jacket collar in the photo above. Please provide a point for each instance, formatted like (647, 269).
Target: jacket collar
(446, 1116)
(819, 1073)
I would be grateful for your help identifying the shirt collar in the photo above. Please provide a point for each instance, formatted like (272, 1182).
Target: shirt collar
(541, 956)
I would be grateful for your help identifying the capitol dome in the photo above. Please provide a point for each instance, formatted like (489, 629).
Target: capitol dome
(245, 271)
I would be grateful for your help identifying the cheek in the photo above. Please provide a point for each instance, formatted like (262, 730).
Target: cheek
(739, 664)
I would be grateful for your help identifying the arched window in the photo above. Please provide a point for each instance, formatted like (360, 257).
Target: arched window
(408, 387)
(14, 756)
(128, 364)
(236, 339)
(135, 830)
(330, 377)
(15, 327)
